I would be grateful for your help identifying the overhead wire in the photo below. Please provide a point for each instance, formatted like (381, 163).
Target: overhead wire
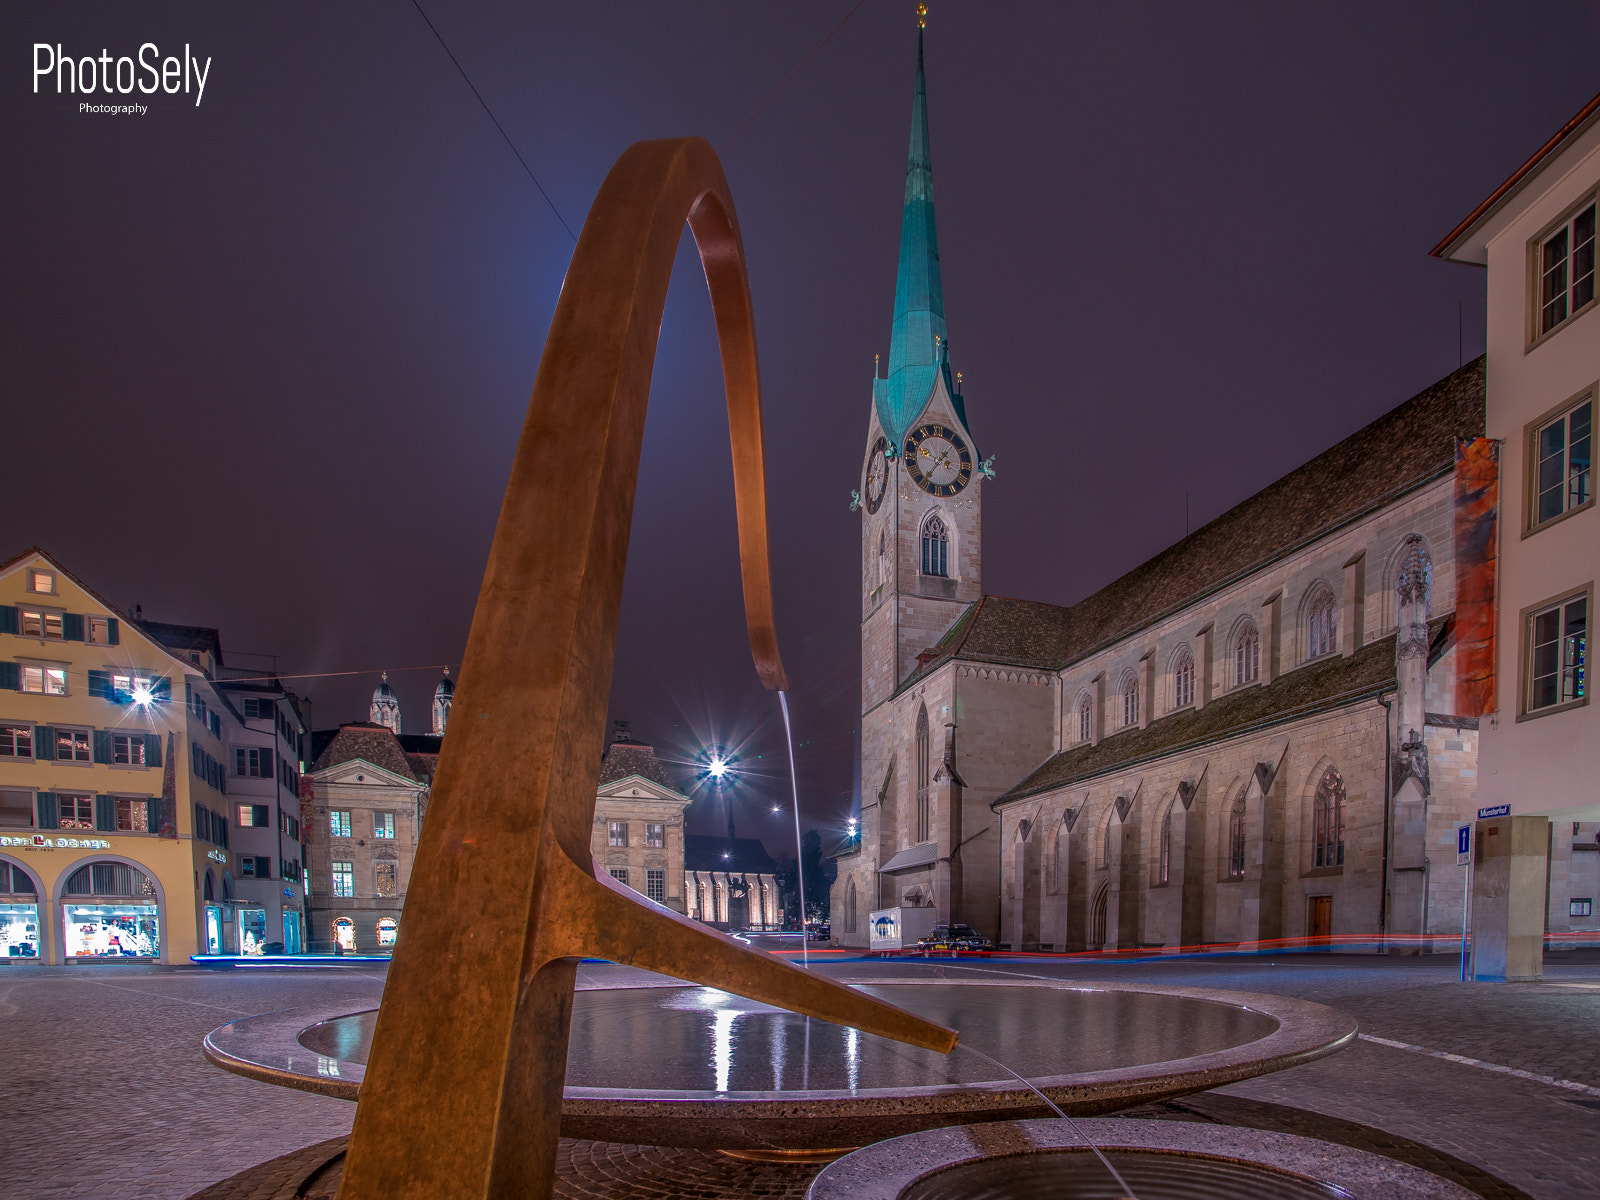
(762, 106)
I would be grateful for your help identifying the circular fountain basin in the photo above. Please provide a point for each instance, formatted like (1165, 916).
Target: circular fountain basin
(691, 1066)
(1159, 1160)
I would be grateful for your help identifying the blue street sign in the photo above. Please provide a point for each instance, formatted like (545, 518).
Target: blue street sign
(1463, 844)
(1499, 810)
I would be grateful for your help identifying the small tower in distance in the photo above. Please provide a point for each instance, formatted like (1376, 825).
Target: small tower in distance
(443, 696)
(385, 706)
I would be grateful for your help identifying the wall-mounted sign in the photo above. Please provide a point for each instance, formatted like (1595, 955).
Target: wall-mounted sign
(1499, 810)
(38, 841)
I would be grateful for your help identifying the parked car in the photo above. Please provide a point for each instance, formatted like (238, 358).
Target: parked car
(820, 933)
(954, 937)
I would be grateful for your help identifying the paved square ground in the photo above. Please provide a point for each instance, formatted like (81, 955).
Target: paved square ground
(110, 1095)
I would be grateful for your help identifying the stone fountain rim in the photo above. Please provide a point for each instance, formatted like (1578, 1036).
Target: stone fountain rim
(1305, 1031)
(884, 1170)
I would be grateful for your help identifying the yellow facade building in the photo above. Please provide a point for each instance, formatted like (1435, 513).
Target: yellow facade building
(114, 821)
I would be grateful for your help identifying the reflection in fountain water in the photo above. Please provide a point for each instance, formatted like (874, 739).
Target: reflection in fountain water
(722, 1034)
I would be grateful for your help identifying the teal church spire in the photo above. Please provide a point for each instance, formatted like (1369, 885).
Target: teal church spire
(917, 343)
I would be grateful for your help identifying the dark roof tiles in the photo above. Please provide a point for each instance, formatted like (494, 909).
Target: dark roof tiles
(368, 742)
(634, 758)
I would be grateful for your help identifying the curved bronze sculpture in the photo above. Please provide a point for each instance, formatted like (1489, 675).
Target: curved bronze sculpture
(462, 1096)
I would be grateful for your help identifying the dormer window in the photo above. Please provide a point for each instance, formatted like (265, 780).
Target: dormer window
(42, 583)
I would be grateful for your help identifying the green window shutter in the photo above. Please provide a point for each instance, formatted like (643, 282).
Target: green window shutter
(152, 749)
(102, 745)
(44, 743)
(200, 829)
(72, 627)
(161, 689)
(105, 814)
(100, 684)
(260, 814)
(113, 631)
(266, 764)
(48, 818)
(8, 619)
(10, 672)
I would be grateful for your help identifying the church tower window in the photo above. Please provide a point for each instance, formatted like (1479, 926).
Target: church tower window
(935, 548)
(1183, 678)
(923, 777)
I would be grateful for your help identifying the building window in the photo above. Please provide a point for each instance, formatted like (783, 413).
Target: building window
(40, 623)
(344, 878)
(72, 745)
(252, 763)
(1183, 678)
(98, 631)
(16, 741)
(617, 833)
(133, 815)
(655, 836)
(655, 885)
(127, 749)
(935, 548)
(339, 822)
(1085, 719)
(1557, 638)
(1322, 623)
(385, 877)
(42, 583)
(388, 931)
(1105, 844)
(1580, 906)
(923, 775)
(44, 681)
(16, 809)
(1564, 450)
(1328, 820)
(74, 811)
(1236, 839)
(620, 874)
(1165, 867)
(1246, 654)
(383, 825)
(1130, 700)
(1566, 269)
(344, 933)
(252, 814)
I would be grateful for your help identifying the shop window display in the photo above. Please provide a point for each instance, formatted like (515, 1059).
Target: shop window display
(252, 930)
(388, 930)
(111, 930)
(344, 934)
(19, 914)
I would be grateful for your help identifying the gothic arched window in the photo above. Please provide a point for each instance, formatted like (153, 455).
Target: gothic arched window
(1130, 699)
(1183, 677)
(1105, 844)
(850, 907)
(1166, 847)
(1322, 623)
(1236, 838)
(1246, 654)
(935, 548)
(923, 771)
(1085, 718)
(1328, 819)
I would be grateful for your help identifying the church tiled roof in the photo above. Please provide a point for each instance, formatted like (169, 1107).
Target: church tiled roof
(635, 758)
(1404, 448)
(368, 742)
(1332, 683)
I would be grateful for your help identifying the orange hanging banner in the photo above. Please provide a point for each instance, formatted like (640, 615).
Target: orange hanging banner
(1477, 542)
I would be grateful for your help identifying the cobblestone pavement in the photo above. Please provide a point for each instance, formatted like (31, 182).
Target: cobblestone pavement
(104, 1068)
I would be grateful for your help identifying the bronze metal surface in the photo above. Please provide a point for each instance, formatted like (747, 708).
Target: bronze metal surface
(463, 1089)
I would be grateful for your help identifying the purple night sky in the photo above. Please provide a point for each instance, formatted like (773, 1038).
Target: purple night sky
(267, 356)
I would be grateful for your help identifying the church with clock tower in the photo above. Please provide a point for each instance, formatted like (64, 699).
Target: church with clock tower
(1254, 735)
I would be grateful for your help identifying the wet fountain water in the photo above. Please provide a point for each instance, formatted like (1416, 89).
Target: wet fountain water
(799, 855)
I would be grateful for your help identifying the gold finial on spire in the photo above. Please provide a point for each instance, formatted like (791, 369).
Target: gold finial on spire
(922, 16)
(875, 361)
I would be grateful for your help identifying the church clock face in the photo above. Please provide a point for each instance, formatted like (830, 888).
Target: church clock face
(937, 460)
(877, 474)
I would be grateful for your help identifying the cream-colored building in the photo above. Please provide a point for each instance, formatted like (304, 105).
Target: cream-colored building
(1540, 754)
(114, 806)
(639, 822)
(1252, 736)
